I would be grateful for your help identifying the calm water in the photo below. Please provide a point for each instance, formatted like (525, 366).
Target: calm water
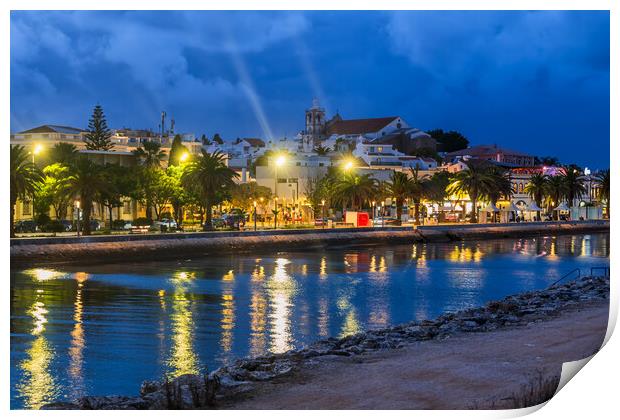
(104, 329)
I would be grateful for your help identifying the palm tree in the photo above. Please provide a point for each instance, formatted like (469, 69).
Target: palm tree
(87, 182)
(399, 187)
(64, 153)
(419, 186)
(150, 154)
(536, 189)
(322, 151)
(473, 181)
(209, 175)
(499, 186)
(556, 191)
(575, 188)
(436, 189)
(356, 189)
(602, 179)
(25, 179)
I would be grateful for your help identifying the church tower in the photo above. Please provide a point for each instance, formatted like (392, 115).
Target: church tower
(315, 122)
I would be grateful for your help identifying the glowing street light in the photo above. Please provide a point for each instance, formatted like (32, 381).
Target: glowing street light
(348, 165)
(280, 160)
(255, 215)
(184, 157)
(275, 213)
(35, 151)
(323, 213)
(77, 206)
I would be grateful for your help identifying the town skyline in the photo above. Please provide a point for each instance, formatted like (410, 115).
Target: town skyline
(259, 85)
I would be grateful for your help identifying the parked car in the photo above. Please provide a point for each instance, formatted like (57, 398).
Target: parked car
(235, 221)
(168, 223)
(385, 221)
(95, 224)
(26, 226)
(67, 224)
(218, 222)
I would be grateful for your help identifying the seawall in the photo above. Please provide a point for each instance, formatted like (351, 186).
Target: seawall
(126, 248)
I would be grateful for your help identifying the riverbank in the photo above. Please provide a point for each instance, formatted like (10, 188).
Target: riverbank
(475, 358)
(120, 248)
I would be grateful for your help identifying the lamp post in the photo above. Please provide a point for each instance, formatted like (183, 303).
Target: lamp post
(275, 214)
(279, 162)
(382, 211)
(323, 213)
(347, 165)
(263, 209)
(374, 207)
(35, 151)
(254, 215)
(77, 206)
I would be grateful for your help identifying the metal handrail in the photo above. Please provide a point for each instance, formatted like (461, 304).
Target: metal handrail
(578, 270)
(605, 270)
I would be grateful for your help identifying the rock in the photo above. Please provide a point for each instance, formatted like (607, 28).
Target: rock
(61, 405)
(196, 391)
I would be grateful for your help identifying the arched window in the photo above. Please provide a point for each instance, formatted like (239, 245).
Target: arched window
(520, 187)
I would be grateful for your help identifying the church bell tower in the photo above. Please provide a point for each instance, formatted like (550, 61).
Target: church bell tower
(315, 122)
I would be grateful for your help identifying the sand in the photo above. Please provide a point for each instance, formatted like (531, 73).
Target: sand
(468, 370)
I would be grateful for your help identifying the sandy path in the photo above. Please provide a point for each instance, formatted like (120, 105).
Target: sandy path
(463, 371)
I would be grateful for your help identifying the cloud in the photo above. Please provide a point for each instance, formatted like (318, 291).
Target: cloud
(148, 48)
(488, 49)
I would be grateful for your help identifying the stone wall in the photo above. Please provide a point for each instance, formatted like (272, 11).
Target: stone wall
(111, 248)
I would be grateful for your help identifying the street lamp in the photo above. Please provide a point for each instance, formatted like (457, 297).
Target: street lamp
(280, 160)
(35, 151)
(77, 206)
(348, 165)
(382, 211)
(323, 213)
(261, 205)
(374, 208)
(254, 215)
(275, 214)
(184, 157)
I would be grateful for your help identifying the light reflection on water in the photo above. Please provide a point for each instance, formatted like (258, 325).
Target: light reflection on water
(105, 330)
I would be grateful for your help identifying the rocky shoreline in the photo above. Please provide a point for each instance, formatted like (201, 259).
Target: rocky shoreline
(195, 391)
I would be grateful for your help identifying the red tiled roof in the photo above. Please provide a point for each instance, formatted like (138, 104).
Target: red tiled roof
(254, 142)
(484, 150)
(367, 125)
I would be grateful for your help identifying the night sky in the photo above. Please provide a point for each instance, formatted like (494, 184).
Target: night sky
(537, 82)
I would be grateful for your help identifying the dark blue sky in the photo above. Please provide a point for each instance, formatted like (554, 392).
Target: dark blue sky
(533, 81)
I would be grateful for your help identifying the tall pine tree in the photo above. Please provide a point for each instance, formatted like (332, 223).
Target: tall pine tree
(98, 136)
(176, 151)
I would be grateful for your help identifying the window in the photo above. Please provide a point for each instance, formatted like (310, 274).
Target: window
(298, 163)
(320, 163)
(399, 125)
(380, 149)
(26, 208)
(127, 207)
(520, 187)
(515, 187)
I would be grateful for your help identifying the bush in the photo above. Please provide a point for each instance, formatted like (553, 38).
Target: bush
(118, 224)
(43, 219)
(53, 226)
(142, 221)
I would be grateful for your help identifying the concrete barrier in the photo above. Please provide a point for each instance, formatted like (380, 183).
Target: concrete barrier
(118, 248)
